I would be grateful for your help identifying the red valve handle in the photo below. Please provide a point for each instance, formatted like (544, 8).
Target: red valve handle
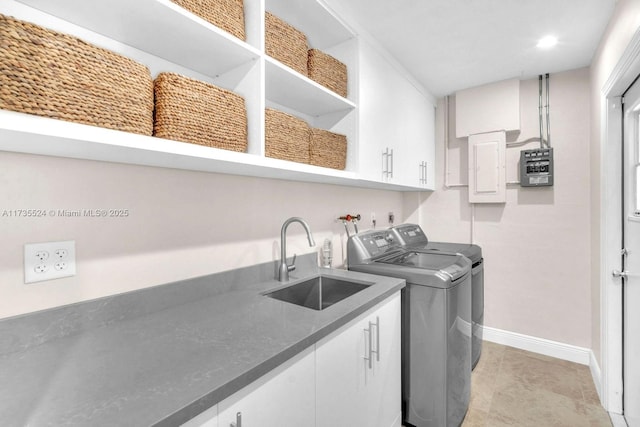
(349, 217)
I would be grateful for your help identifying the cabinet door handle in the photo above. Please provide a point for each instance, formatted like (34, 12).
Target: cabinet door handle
(238, 422)
(385, 163)
(368, 350)
(423, 172)
(377, 325)
(391, 170)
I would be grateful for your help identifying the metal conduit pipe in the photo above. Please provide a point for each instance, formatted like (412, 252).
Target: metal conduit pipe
(546, 77)
(540, 108)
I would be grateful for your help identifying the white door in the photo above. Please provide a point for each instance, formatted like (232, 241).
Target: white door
(631, 262)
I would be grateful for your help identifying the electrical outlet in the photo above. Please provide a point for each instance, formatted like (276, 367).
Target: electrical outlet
(391, 218)
(50, 260)
(41, 268)
(373, 220)
(61, 253)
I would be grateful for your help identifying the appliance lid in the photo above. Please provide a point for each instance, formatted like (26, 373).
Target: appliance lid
(453, 265)
(473, 252)
(412, 237)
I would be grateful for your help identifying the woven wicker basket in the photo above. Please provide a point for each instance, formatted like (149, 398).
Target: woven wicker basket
(200, 113)
(286, 137)
(285, 43)
(54, 75)
(225, 14)
(327, 149)
(328, 71)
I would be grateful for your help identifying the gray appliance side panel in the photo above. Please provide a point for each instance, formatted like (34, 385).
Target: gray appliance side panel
(424, 356)
(459, 343)
(477, 311)
(437, 355)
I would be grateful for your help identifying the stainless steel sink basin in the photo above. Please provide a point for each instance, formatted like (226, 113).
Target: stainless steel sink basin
(319, 292)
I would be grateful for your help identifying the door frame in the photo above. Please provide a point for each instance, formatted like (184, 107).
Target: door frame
(611, 310)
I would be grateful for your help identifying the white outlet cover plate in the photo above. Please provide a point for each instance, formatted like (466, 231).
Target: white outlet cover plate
(37, 270)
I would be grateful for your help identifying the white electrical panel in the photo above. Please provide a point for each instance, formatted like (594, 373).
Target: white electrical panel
(487, 170)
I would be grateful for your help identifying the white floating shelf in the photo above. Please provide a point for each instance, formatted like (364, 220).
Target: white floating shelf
(158, 27)
(25, 133)
(287, 87)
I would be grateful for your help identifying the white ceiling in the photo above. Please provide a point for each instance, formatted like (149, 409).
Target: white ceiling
(450, 45)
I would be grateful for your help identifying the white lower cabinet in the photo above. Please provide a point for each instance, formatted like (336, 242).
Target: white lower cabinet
(284, 397)
(349, 390)
(331, 384)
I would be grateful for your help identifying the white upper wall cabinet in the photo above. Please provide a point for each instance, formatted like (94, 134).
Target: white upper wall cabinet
(165, 37)
(488, 108)
(397, 125)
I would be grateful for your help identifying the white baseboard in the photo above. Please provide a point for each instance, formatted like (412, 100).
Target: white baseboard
(617, 420)
(550, 348)
(594, 367)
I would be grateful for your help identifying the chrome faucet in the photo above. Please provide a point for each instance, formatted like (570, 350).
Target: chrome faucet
(284, 269)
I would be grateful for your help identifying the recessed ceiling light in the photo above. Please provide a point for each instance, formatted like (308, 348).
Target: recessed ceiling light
(547, 42)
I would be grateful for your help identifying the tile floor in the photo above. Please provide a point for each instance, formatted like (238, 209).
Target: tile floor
(512, 387)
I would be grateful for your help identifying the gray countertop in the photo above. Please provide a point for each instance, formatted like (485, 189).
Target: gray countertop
(149, 363)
